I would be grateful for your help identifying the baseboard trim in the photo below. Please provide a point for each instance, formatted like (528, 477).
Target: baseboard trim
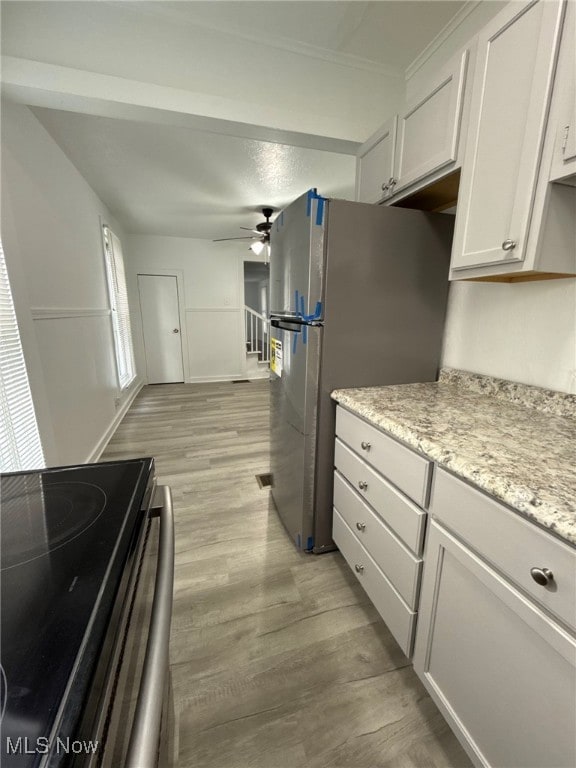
(105, 439)
(216, 379)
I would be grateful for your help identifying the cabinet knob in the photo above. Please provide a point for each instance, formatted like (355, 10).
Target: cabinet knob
(359, 568)
(542, 576)
(365, 446)
(385, 186)
(362, 484)
(361, 526)
(508, 245)
(392, 181)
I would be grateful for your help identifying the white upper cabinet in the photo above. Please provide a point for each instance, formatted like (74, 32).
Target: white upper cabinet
(375, 164)
(429, 126)
(511, 90)
(564, 154)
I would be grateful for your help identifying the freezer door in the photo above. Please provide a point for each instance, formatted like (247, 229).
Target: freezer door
(294, 398)
(297, 258)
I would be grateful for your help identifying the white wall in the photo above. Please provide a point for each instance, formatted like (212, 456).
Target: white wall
(51, 236)
(523, 332)
(211, 307)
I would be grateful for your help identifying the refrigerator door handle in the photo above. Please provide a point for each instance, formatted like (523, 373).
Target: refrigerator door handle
(294, 321)
(284, 327)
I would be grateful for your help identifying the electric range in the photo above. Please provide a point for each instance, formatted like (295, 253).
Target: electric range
(69, 540)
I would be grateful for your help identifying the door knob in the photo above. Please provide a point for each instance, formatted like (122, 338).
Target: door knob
(176, 330)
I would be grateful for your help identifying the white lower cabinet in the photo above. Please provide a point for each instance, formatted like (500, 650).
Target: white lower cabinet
(501, 669)
(399, 619)
(378, 523)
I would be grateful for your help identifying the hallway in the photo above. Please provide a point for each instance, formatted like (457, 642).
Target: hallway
(278, 658)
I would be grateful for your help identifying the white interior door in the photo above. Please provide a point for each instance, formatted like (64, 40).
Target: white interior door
(161, 327)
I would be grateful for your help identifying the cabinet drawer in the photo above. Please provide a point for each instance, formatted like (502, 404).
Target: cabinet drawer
(510, 543)
(399, 619)
(406, 519)
(397, 563)
(403, 467)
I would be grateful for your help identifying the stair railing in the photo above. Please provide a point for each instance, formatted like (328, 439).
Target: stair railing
(257, 329)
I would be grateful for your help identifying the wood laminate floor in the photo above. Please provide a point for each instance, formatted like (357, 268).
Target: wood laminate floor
(278, 658)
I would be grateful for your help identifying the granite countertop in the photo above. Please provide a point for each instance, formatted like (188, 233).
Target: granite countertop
(515, 442)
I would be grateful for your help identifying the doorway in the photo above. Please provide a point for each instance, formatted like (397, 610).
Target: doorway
(159, 308)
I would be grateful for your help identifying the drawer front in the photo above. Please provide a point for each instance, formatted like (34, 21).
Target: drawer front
(404, 518)
(402, 466)
(395, 560)
(399, 619)
(510, 543)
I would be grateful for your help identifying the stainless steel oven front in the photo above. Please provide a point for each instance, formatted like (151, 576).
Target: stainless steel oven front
(136, 725)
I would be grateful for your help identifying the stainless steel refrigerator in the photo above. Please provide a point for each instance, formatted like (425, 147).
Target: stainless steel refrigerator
(357, 298)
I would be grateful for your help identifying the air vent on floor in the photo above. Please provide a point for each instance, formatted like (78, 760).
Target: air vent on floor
(264, 480)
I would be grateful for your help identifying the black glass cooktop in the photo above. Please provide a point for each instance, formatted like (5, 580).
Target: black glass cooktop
(66, 537)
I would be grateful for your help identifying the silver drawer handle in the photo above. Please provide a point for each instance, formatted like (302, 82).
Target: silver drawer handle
(508, 245)
(359, 568)
(542, 576)
(362, 484)
(361, 526)
(365, 446)
(385, 187)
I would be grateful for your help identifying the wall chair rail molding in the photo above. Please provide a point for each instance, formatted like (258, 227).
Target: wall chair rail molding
(66, 313)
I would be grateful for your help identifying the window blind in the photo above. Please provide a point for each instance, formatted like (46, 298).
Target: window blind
(120, 309)
(20, 445)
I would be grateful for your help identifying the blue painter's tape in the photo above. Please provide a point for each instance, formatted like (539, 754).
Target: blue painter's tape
(320, 211)
(313, 195)
(294, 343)
(310, 543)
(309, 197)
(298, 540)
(304, 334)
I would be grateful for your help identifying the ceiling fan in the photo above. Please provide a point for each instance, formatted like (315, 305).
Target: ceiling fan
(261, 234)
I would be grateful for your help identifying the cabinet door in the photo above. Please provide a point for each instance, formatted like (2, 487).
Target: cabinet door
(375, 164)
(564, 157)
(429, 127)
(510, 97)
(501, 671)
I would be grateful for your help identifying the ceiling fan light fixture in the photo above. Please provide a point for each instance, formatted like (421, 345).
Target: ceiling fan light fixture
(257, 246)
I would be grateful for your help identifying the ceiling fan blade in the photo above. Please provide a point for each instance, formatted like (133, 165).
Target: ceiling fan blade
(221, 239)
(250, 230)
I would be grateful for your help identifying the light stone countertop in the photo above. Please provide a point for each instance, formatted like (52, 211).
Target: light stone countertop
(515, 442)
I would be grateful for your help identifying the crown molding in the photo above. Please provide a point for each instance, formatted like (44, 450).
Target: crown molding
(441, 37)
(274, 41)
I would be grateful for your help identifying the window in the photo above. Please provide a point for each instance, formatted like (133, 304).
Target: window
(20, 446)
(120, 310)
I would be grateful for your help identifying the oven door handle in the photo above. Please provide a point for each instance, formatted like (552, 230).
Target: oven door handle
(145, 736)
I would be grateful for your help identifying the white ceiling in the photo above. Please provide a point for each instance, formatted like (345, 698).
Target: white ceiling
(300, 65)
(166, 180)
